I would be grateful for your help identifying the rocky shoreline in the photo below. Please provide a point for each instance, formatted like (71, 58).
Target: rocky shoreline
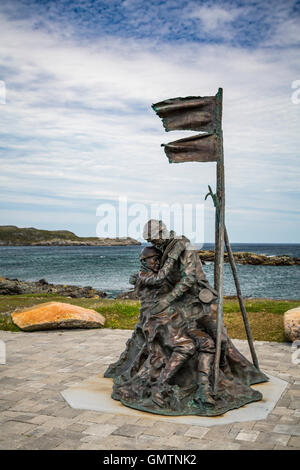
(245, 257)
(15, 286)
(57, 242)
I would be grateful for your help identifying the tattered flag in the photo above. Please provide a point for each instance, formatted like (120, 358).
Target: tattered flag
(195, 113)
(199, 148)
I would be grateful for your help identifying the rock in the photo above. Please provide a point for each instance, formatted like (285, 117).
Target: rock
(56, 315)
(14, 286)
(11, 287)
(292, 324)
(245, 257)
(129, 295)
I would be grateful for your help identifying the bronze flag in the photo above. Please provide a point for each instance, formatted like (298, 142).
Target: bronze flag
(196, 113)
(199, 148)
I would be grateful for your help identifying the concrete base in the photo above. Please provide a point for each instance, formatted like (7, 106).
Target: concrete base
(95, 394)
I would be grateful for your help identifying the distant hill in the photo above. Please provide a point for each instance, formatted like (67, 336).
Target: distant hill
(12, 235)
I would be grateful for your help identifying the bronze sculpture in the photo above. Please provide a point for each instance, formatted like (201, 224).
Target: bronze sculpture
(168, 363)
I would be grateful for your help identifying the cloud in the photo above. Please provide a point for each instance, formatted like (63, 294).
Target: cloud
(215, 20)
(77, 127)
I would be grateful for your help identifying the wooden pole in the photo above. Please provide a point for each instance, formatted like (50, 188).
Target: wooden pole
(240, 299)
(220, 229)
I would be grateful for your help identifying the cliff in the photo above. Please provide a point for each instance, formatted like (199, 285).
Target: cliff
(15, 236)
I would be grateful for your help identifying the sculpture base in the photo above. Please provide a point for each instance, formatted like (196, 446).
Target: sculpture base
(95, 394)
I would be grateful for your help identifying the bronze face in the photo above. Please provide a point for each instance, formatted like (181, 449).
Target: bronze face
(150, 258)
(158, 242)
(152, 262)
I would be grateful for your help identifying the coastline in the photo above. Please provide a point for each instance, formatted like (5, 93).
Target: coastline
(11, 235)
(97, 242)
(247, 257)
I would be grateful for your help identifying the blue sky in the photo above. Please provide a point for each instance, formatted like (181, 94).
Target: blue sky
(77, 128)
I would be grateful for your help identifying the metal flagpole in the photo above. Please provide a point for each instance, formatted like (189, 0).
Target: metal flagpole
(220, 219)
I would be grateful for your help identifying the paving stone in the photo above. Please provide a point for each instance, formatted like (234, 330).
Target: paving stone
(68, 445)
(220, 445)
(15, 428)
(101, 430)
(119, 420)
(294, 441)
(40, 419)
(162, 429)
(194, 444)
(147, 439)
(196, 432)
(263, 426)
(63, 434)
(93, 417)
(291, 429)
(247, 436)
(219, 432)
(294, 405)
(145, 422)
(282, 411)
(273, 438)
(289, 420)
(41, 443)
(77, 427)
(274, 419)
(7, 445)
(111, 443)
(129, 430)
(180, 429)
(280, 447)
(256, 446)
(176, 442)
(24, 418)
(244, 426)
(4, 405)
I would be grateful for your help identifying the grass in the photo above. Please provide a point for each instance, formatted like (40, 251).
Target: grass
(265, 315)
(118, 314)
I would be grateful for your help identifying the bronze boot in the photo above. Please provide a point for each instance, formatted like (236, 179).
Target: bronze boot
(162, 390)
(204, 393)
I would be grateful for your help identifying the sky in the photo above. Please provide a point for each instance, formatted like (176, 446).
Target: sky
(77, 80)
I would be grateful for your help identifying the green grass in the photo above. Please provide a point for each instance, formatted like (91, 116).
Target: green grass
(265, 315)
(7, 324)
(261, 305)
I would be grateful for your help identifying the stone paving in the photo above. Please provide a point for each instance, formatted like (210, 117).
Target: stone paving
(34, 415)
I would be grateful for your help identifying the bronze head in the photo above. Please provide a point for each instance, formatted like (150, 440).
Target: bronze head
(150, 258)
(156, 232)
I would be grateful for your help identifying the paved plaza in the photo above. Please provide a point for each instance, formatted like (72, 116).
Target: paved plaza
(40, 365)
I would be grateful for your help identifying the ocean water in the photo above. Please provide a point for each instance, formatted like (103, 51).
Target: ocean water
(109, 268)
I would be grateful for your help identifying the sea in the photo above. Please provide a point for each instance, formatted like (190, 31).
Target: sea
(108, 268)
